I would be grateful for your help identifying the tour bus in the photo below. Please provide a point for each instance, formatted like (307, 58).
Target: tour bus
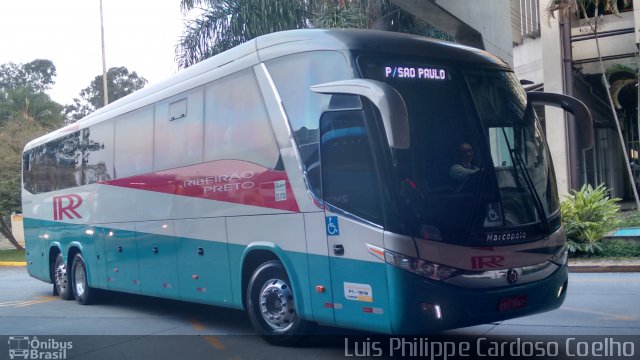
(308, 177)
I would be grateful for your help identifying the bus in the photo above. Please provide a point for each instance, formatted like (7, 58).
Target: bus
(308, 177)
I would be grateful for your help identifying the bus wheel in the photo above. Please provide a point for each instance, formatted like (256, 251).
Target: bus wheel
(61, 279)
(84, 294)
(271, 306)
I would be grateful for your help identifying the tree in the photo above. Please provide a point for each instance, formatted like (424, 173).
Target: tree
(120, 83)
(22, 92)
(24, 102)
(14, 135)
(37, 75)
(590, 10)
(26, 112)
(224, 24)
(227, 23)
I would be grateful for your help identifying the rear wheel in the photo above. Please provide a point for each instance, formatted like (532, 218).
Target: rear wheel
(61, 279)
(271, 306)
(84, 294)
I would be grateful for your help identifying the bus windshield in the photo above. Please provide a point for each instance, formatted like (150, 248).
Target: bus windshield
(477, 164)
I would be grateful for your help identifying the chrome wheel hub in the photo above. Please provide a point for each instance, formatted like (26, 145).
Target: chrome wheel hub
(79, 277)
(61, 277)
(276, 304)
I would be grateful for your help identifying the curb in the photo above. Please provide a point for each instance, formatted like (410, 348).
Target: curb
(595, 268)
(13, 263)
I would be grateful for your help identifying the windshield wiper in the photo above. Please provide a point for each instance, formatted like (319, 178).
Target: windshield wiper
(515, 155)
(517, 160)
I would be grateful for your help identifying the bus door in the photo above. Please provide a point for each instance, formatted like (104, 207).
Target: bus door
(350, 191)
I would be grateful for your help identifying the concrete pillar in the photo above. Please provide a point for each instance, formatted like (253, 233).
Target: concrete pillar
(553, 82)
(491, 18)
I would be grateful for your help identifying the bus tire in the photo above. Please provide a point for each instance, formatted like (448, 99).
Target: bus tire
(61, 279)
(83, 293)
(271, 306)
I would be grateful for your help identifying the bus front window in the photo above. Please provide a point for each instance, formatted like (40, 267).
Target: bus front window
(519, 154)
(477, 162)
(433, 199)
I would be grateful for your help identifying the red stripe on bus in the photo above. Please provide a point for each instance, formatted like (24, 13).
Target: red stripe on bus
(233, 181)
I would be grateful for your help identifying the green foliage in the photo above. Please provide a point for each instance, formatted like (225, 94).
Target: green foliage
(223, 24)
(36, 75)
(12, 255)
(13, 137)
(348, 16)
(629, 219)
(22, 92)
(620, 248)
(120, 83)
(587, 8)
(23, 102)
(587, 215)
(227, 23)
(26, 112)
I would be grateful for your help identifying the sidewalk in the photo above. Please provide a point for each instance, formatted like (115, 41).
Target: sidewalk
(13, 263)
(595, 266)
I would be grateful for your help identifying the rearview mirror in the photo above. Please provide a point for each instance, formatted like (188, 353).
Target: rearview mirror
(388, 101)
(572, 105)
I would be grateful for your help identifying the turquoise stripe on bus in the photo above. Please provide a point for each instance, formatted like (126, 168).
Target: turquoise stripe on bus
(362, 314)
(124, 261)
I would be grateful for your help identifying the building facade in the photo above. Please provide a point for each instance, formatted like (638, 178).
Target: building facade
(558, 53)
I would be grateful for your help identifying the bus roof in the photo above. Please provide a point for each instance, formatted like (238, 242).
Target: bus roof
(274, 45)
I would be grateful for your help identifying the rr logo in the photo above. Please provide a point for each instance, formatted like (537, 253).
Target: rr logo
(481, 262)
(66, 205)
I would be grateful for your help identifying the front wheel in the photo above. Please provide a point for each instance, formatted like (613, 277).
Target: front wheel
(271, 306)
(84, 294)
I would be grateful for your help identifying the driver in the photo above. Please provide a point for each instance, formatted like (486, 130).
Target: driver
(464, 168)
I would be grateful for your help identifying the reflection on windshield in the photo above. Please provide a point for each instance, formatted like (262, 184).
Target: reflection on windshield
(518, 152)
(439, 179)
(461, 175)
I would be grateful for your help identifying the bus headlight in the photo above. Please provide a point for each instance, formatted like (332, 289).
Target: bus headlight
(420, 267)
(560, 257)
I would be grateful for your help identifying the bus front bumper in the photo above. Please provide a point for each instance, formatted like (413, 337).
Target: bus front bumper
(423, 306)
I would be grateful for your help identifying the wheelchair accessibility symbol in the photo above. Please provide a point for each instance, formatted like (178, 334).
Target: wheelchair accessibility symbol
(493, 213)
(333, 229)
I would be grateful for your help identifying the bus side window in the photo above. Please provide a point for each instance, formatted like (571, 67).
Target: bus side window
(178, 126)
(236, 122)
(303, 106)
(96, 153)
(134, 143)
(349, 179)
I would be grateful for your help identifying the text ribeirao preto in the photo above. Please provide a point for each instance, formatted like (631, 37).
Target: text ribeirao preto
(223, 183)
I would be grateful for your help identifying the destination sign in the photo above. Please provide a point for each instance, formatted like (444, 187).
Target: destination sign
(414, 72)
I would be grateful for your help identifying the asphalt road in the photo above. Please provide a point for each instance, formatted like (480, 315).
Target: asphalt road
(603, 305)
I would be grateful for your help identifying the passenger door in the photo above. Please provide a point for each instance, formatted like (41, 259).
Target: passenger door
(351, 191)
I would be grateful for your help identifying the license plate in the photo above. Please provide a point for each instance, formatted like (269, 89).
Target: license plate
(512, 303)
